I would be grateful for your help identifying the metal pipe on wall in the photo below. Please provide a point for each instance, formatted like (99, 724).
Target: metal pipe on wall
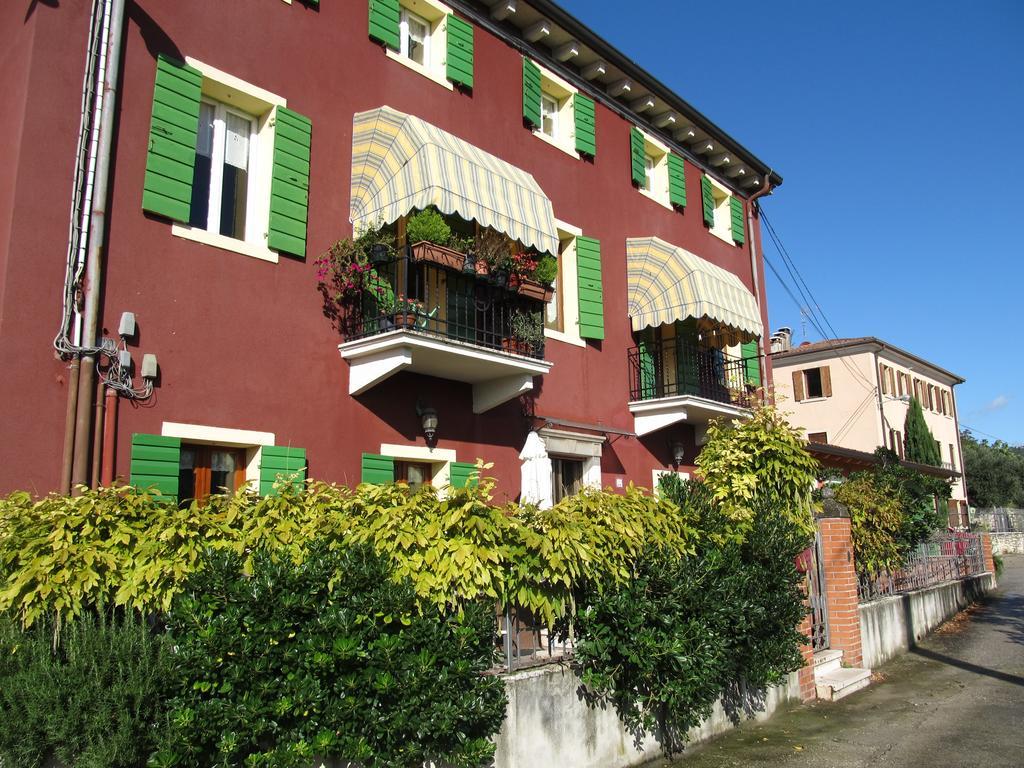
(766, 189)
(94, 256)
(97, 439)
(69, 427)
(109, 438)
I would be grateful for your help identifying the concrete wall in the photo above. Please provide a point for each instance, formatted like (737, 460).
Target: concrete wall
(1007, 543)
(893, 625)
(548, 721)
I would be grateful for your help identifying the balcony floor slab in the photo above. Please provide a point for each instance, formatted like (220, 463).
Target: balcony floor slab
(496, 376)
(652, 415)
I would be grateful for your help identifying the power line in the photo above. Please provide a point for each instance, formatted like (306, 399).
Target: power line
(810, 305)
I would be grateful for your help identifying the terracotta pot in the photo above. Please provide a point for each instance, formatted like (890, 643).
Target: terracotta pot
(438, 254)
(535, 290)
(405, 319)
(515, 346)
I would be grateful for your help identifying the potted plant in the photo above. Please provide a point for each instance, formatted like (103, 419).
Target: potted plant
(406, 310)
(527, 330)
(495, 251)
(431, 239)
(345, 272)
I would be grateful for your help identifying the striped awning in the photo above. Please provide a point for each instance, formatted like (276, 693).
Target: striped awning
(401, 163)
(668, 283)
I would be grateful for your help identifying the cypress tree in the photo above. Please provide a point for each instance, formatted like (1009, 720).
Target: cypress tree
(921, 445)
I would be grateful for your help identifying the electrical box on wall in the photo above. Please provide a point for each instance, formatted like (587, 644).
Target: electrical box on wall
(149, 367)
(126, 328)
(124, 359)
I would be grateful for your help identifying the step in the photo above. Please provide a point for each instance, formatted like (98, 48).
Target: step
(827, 661)
(839, 683)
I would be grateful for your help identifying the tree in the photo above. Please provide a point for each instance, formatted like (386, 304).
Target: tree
(921, 445)
(995, 472)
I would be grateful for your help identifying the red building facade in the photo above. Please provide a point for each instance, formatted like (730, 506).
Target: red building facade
(247, 359)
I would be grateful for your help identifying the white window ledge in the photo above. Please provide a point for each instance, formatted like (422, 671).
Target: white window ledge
(657, 198)
(225, 243)
(569, 150)
(420, 69)
(565, 338)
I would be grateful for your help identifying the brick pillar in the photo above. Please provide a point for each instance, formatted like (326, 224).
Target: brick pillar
(805, 676)
(986, 548)
(841, 587)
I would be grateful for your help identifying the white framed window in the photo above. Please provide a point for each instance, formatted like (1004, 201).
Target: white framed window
(649, 165)
(562, 315)
(722, 228)
(414, 37)
(557, 116)
(423, 39)
(222, 194)
(234, 164)
(548, 115)
(655, 184)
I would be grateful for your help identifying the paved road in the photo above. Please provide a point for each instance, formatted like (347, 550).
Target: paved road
(956, 700)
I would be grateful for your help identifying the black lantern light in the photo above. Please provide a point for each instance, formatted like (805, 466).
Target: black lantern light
(678, 453)
(428, 418)
(378, 253)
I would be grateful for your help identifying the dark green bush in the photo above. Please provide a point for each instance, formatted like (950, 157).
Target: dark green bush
(91, 703)
(330, 658)
(664, 646)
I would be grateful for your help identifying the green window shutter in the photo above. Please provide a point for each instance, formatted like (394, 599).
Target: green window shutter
(279, 460)
(739, 231)
(378, 469)
(459, 474)
(289, 188)
(173, 129)
(676, 181)
(586, 135)
(155, 464)
(708, 199)
(636, 156)
(591, 296)
(751, 362)
(460, 51)
(384, 22)
(648, 380)
(531, 93)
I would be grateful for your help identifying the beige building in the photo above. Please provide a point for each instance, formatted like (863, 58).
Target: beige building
(854, 394)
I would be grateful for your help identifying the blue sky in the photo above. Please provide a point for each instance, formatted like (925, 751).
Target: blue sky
(897, 127)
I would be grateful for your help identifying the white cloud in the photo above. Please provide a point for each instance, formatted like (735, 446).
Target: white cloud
(997, 403)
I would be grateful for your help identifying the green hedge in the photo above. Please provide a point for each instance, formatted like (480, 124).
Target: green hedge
(326, 658)
(94, 701)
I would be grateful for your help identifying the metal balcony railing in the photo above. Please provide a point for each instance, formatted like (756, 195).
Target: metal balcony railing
(424, 296)
(667, 369)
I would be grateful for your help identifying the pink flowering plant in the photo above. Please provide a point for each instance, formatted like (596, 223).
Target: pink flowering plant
(345, 275)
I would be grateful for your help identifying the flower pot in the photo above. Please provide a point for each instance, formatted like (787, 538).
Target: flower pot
(438, 254)
(515, 346)
(405, 319)
(534, 290)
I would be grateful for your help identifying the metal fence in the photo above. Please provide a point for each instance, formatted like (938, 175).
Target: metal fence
(668, 369)
(526, 641)
(948, 558)
(998, 519)
(411, 294)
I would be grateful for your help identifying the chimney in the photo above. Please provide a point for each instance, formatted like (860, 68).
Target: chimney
(782, 339)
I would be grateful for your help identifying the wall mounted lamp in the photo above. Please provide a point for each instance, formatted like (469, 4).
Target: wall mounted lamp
(678, 452)
(428, 419)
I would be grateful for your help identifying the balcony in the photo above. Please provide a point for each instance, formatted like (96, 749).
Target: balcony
(433, 311)
(671, 382)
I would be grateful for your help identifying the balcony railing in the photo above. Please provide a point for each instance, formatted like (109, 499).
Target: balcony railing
(666, 369)
(430, 290)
